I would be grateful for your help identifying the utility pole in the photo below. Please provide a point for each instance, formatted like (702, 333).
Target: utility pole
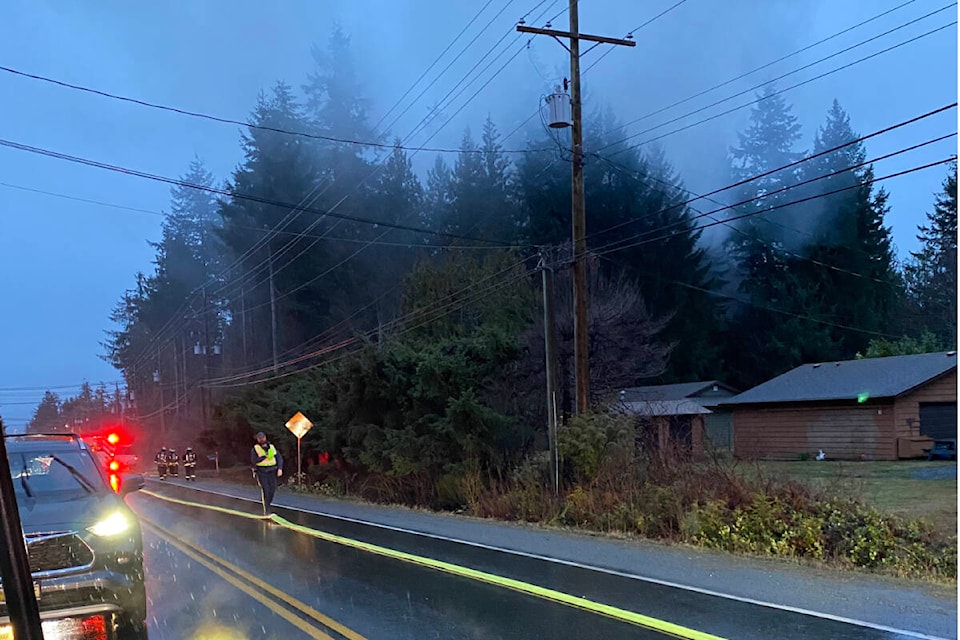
(177, 349)
(550, 362)
(580, 342)
(243, 323)
(206, 360)
(159, 381)
(273, 308)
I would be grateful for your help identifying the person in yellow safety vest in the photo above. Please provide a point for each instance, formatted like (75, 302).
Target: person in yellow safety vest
(267, 467)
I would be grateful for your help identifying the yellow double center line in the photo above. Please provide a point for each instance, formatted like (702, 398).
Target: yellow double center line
(257, 588)
(623, 615)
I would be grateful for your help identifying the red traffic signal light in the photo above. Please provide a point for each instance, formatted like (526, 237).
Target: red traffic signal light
(113, 438)
(114, 465)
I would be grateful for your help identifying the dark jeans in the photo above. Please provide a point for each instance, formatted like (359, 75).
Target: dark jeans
(267, 478)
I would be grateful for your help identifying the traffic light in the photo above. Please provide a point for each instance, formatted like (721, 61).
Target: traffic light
(113, 438)
(114, 465)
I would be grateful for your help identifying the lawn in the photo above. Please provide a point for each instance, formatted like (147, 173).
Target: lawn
(907, 488)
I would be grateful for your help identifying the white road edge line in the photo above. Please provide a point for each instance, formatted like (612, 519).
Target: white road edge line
(613, 572)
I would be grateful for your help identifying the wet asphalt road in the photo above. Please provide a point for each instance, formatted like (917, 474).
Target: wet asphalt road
(210, 575)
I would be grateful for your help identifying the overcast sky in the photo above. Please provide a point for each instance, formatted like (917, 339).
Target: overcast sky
(65, 263)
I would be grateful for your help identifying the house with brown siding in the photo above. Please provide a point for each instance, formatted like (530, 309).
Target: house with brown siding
(873, 409)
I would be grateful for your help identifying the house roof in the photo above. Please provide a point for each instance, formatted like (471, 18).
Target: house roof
(669, 391)
(666, 408)
(850, 379)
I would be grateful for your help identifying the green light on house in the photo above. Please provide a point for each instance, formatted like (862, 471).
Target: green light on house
(863, 397)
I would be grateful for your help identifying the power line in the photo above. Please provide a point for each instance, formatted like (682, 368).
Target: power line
(759, 99)
(405, 317)
(786, 188)
(604, 250)
(223, 120)
(790, 165)
(224, 192)
(789, 187)
(93, 386)
(300, 287)
(595, 63)
(313, 225)
(755, 70)
(634, 30)
(290, 244)
(409, 136)
(433, 64)
(446, 100)
(771, 245)
(112, 205)
(454, 306)
(767, 307)
(433, 304)
(450, 64)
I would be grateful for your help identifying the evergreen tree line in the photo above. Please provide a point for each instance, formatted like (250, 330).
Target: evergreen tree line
(89, 411)
(411, 307)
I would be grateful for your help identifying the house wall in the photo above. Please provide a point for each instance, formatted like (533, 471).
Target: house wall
(719, 429)
(843, 432)
(697, 427)
(907, 412)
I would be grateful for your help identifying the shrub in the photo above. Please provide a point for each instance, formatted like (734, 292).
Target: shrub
(589, 438)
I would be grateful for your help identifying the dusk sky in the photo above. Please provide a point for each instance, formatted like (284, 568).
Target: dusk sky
(65, 263)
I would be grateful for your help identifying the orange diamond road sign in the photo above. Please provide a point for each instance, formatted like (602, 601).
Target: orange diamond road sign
(299, 425)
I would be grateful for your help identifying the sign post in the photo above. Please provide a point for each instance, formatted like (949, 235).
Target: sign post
(298, 426)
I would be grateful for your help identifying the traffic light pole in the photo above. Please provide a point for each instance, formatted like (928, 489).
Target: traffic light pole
(580, 341)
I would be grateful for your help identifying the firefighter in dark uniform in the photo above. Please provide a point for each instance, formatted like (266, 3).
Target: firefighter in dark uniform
(267, 467)
(161, 460)
(189, 465)
(173, 462)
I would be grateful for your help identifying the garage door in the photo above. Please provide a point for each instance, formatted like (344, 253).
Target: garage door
(938, 420)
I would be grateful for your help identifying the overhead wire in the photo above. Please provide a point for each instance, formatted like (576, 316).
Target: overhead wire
(793, 164)
(780, 249)
(767, 65)
(436, 314)
(430, 67)
(485, 84)
(230, 121)
(423, 122)
(326, 272)
(449, 120)
(759, 99)
(604, 250)
(769, 308)
(525, 122)
(452, 62)
(635, 29)
(328, 333)
(266, 264)
(786, 188)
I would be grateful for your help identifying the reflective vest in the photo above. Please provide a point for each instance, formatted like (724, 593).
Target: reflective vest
(271, 455)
